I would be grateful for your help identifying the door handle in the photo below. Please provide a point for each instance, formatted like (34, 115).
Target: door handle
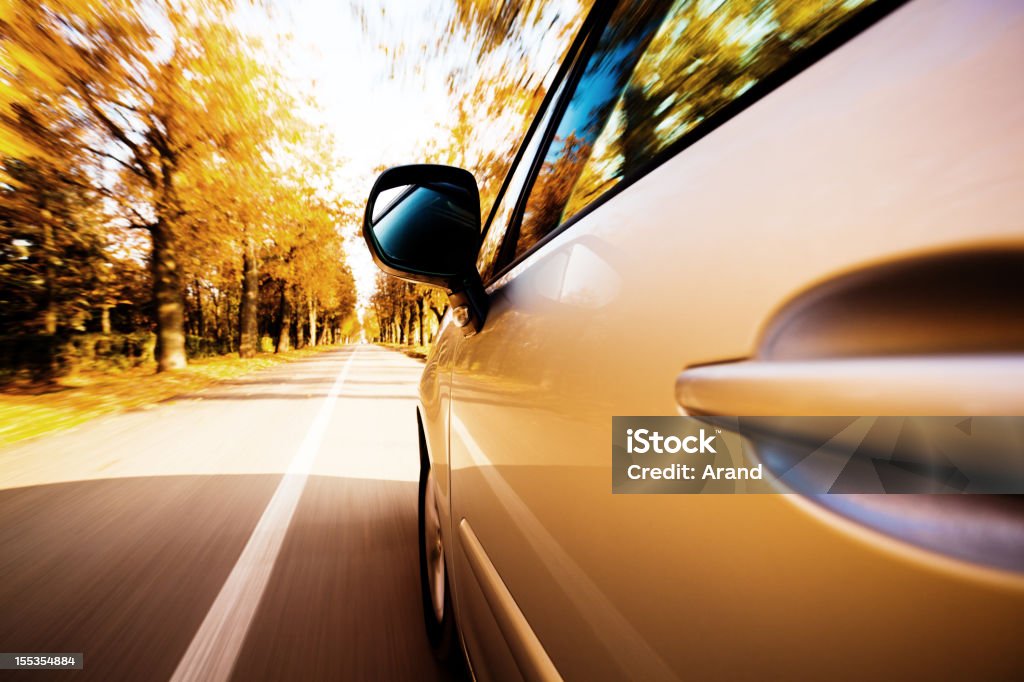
(937, 335)
(936, 385)
(940, 334)
(980, 529)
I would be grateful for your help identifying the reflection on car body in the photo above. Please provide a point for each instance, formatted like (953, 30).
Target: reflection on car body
(715, 192)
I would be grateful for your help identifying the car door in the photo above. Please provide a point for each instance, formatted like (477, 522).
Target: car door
(713, 162)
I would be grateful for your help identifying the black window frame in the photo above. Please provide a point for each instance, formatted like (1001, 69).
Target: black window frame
(578, 52)
(849, 29)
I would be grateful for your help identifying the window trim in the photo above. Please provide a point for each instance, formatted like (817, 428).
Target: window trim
(600, 14)
(860, 22)
(578, 52)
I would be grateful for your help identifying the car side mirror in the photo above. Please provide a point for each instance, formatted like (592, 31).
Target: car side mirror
(430, 234)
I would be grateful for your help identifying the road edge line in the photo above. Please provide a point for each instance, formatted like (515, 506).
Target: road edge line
(215, 648)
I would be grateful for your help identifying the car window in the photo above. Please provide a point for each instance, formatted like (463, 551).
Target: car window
(506, 206)
(659, 70)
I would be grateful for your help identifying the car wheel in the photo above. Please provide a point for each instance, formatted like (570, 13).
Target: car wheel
(438, 612)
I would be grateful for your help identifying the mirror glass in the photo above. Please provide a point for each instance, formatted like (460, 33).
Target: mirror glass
(428, 229)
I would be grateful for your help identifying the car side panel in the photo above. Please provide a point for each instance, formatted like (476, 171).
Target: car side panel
(435, 398)
(906, 140)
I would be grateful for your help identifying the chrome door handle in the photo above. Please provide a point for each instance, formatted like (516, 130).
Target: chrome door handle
(939, 385)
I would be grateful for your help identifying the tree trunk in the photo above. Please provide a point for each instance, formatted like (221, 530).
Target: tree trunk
(105, 318)
(419, 321)
(284, 338)
(231, 323)
(200, 319)
(168, 300)
(215, 309)
(248, 332)
(407, 324)
(312, 322)
(49, 308)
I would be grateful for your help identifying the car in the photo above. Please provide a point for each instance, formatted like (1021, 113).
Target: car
(789, 208)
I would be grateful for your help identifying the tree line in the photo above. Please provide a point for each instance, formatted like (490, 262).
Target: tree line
(155, 178)
(155, 181)
(404, 313)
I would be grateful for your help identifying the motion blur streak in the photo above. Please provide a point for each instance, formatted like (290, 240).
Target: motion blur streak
(116, 538)
(213, 651)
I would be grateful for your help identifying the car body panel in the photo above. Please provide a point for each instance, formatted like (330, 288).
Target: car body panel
(904, 141)
(434, 410)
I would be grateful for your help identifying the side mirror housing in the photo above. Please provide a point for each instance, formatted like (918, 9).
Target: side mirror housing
(430, 234)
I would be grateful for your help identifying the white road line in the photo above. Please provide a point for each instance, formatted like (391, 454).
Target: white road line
(212, 654)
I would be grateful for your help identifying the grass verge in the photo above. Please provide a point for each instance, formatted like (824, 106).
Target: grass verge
(28, 410)
(417, 352)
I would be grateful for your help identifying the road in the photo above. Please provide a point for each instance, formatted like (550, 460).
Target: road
(264, 528)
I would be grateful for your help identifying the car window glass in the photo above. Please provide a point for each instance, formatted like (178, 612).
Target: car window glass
(503, 214)
(659, 70)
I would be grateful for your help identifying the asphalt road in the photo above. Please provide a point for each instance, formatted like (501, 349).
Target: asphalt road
(264, 528)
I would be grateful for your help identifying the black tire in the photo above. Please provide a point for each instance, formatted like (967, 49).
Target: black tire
(442, 634)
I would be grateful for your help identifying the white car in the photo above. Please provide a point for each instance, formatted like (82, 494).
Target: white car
(727, 207)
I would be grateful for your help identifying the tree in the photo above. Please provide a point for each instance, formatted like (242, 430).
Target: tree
(51, 254)
(400, 312)
(168, 92)
(51, 250)
(304, 253)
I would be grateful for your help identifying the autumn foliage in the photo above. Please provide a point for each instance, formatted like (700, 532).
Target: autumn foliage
(153, 176)
(157, 179)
